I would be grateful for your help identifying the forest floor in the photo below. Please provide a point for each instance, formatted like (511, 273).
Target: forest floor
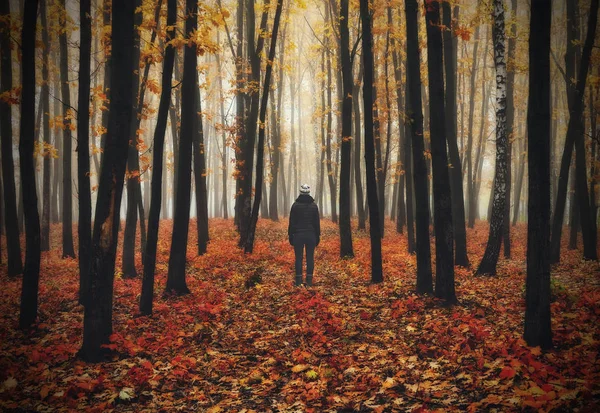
(246, 340)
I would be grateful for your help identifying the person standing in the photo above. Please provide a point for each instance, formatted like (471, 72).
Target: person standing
(304, 232)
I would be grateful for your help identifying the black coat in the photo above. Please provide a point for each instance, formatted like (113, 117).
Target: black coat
(304, 217)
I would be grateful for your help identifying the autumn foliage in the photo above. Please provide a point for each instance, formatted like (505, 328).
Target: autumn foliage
(246, 340)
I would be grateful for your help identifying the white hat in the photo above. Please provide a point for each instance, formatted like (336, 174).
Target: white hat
(304, 189)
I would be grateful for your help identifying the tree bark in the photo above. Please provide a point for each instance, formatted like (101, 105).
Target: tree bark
(415, 114)
(147, 295)
(368, 102)
(444, 237)
(176, 282)
(45, 102)
(537, 331)
(67, 198)
(13, 246)
(510, 120)
(456, 181)
(31, 273)
(575, 137)
(346, 250)
(200, 177)
(357, 138)
(83, 149)
(97, 320)
(249, 245)
(492, 251)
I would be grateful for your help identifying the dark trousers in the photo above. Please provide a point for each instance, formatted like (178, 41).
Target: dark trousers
(305, 240)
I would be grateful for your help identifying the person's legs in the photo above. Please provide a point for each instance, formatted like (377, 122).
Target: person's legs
(310, 259)
(299, 252)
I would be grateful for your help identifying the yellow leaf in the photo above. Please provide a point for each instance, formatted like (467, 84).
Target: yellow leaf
(299, 368)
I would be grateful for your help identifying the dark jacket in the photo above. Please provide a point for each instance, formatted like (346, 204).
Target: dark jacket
(304, 217)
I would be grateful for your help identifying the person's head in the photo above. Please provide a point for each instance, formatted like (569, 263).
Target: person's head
(304, 189)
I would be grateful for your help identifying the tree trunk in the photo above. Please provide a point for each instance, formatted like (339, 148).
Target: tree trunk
(574, 223)
(45, 101)
(13, 246)
(490, 257)
(157, 164)
(133, 159)
(106, 43)
(200, 177)
(83, 149)
(346, 249)
(246, 167)
(176, 282)
(31, 273)
(575, 136)
(593, 163)
(415, 114)
(67, 198)
(444, 238)
(240, 118)
(249, 245)
(469, 153)
(357, 161)
(456, 185)
(510, 120)
(537, 330)
(97, 321)
(368, 102)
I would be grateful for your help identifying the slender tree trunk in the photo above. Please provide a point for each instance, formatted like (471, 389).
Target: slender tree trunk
(106, 46)
(444, 238)
(490, 257)
(67, 221)
(574, 223)
(13, 245)
(346, 249)
(254, 48)
(133, 159)
(510, 120)
(469, 153)
(147, 295)
(357, 138)
(537, 330)
(240, 118)
(249, 245)
(200, 177)
(83, 149)
(31, 273)
(368, 102)
(456, 184)
(593, 165)
(575, 135)
(415, 114)
(224, 163)
(45, 101)
(519, 187)
(97, 320)
(176, 282)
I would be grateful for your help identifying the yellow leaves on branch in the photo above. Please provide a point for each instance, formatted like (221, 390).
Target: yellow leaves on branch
(12, 97)
(44, 149)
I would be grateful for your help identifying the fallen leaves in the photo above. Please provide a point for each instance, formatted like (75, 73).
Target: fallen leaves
(344, 345)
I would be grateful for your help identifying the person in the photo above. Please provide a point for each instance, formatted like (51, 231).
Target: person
(304, 232)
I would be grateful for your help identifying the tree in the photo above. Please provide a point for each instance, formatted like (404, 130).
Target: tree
(67, 198)
(249, 245)
(510, 127)
(492, 250)
(200, 177)
(245, 163)
(157, 164)
(31, 273)
(368, 102)
(13, 246)
(415, 114)
(177, 259)
(537, 288)
(444, 238)
(456, 185)
(357, 138)
(97, 319)
(346, 138)
(575, 137)
(45, 102)
(83, 144)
